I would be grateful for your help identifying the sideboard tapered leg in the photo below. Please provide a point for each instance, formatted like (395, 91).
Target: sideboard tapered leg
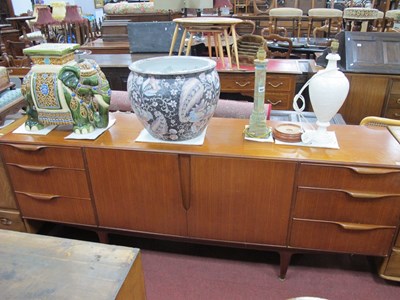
(285, 256)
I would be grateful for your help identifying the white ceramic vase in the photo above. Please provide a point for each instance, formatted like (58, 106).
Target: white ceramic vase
(328, 90)
(174, 97)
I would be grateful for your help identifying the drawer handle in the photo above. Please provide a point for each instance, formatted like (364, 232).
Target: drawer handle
(5, 221)
(369, 196)
(349, 226)
(360, 227)
(242, 84)
(373, 171)
(44, 197)
(397, 114)
(274, 103)
(28, 147)
(32, 168)
(275, 85)
(398, 101)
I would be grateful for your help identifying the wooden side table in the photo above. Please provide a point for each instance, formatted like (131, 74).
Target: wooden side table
(209, 25)
(58, 268)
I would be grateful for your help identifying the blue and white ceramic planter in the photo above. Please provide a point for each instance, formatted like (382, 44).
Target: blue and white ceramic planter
(174, 96)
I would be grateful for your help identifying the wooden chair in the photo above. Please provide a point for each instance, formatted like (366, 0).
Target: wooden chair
(285, 16)
(241, 6)
(379, 121)
(256, 7)
(276, 39)
(331, 19)
(379, 23)
(389, 19)
(248, 46)
(245, 27)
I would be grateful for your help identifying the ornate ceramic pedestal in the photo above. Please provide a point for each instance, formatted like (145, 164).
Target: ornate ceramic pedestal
(60, 90)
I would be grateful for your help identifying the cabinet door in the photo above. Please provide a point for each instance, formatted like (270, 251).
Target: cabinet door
(240, 200)
(137, 191)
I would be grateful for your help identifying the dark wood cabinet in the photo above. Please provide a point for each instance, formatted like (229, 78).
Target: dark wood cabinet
(392, 103)
(117, 77)
(279, 88)
(371, 95)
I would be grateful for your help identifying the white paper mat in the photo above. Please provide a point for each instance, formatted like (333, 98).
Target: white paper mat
(92, 135)
(89, 136)
(21, 129)
(329, 142)
(145, 136)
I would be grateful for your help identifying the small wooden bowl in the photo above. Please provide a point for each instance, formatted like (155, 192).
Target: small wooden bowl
(288, 132)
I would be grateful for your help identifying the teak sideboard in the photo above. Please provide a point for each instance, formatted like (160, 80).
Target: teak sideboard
(228, 191)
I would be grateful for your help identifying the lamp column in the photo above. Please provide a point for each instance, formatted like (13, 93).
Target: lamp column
(258, 125)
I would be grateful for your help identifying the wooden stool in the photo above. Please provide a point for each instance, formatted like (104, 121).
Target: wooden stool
(216, 26)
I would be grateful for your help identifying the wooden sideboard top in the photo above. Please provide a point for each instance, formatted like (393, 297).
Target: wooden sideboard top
(359, 145)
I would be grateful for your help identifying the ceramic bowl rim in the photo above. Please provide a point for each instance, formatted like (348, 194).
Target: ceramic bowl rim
(210, 64)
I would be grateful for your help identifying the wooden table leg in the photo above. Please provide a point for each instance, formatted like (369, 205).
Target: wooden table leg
(228, 50)
(235, 49)
(218, 43)
(174, 37)
(209, 45)
(182, 42)
(189, 44)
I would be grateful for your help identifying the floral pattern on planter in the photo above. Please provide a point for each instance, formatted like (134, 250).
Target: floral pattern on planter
(174, 107)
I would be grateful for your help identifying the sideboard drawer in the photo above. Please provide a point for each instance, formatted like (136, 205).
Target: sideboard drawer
(392, 113)
(394, 101)
(333, 236)
(279, 83)
(11, 220)
(37, 155)
(56, 208)
(279, 100)
(62, 182)
(364, 179)
(395, 87)
(346, 206)
(240, 82)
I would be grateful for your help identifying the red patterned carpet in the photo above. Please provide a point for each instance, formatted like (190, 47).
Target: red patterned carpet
(175, 271)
